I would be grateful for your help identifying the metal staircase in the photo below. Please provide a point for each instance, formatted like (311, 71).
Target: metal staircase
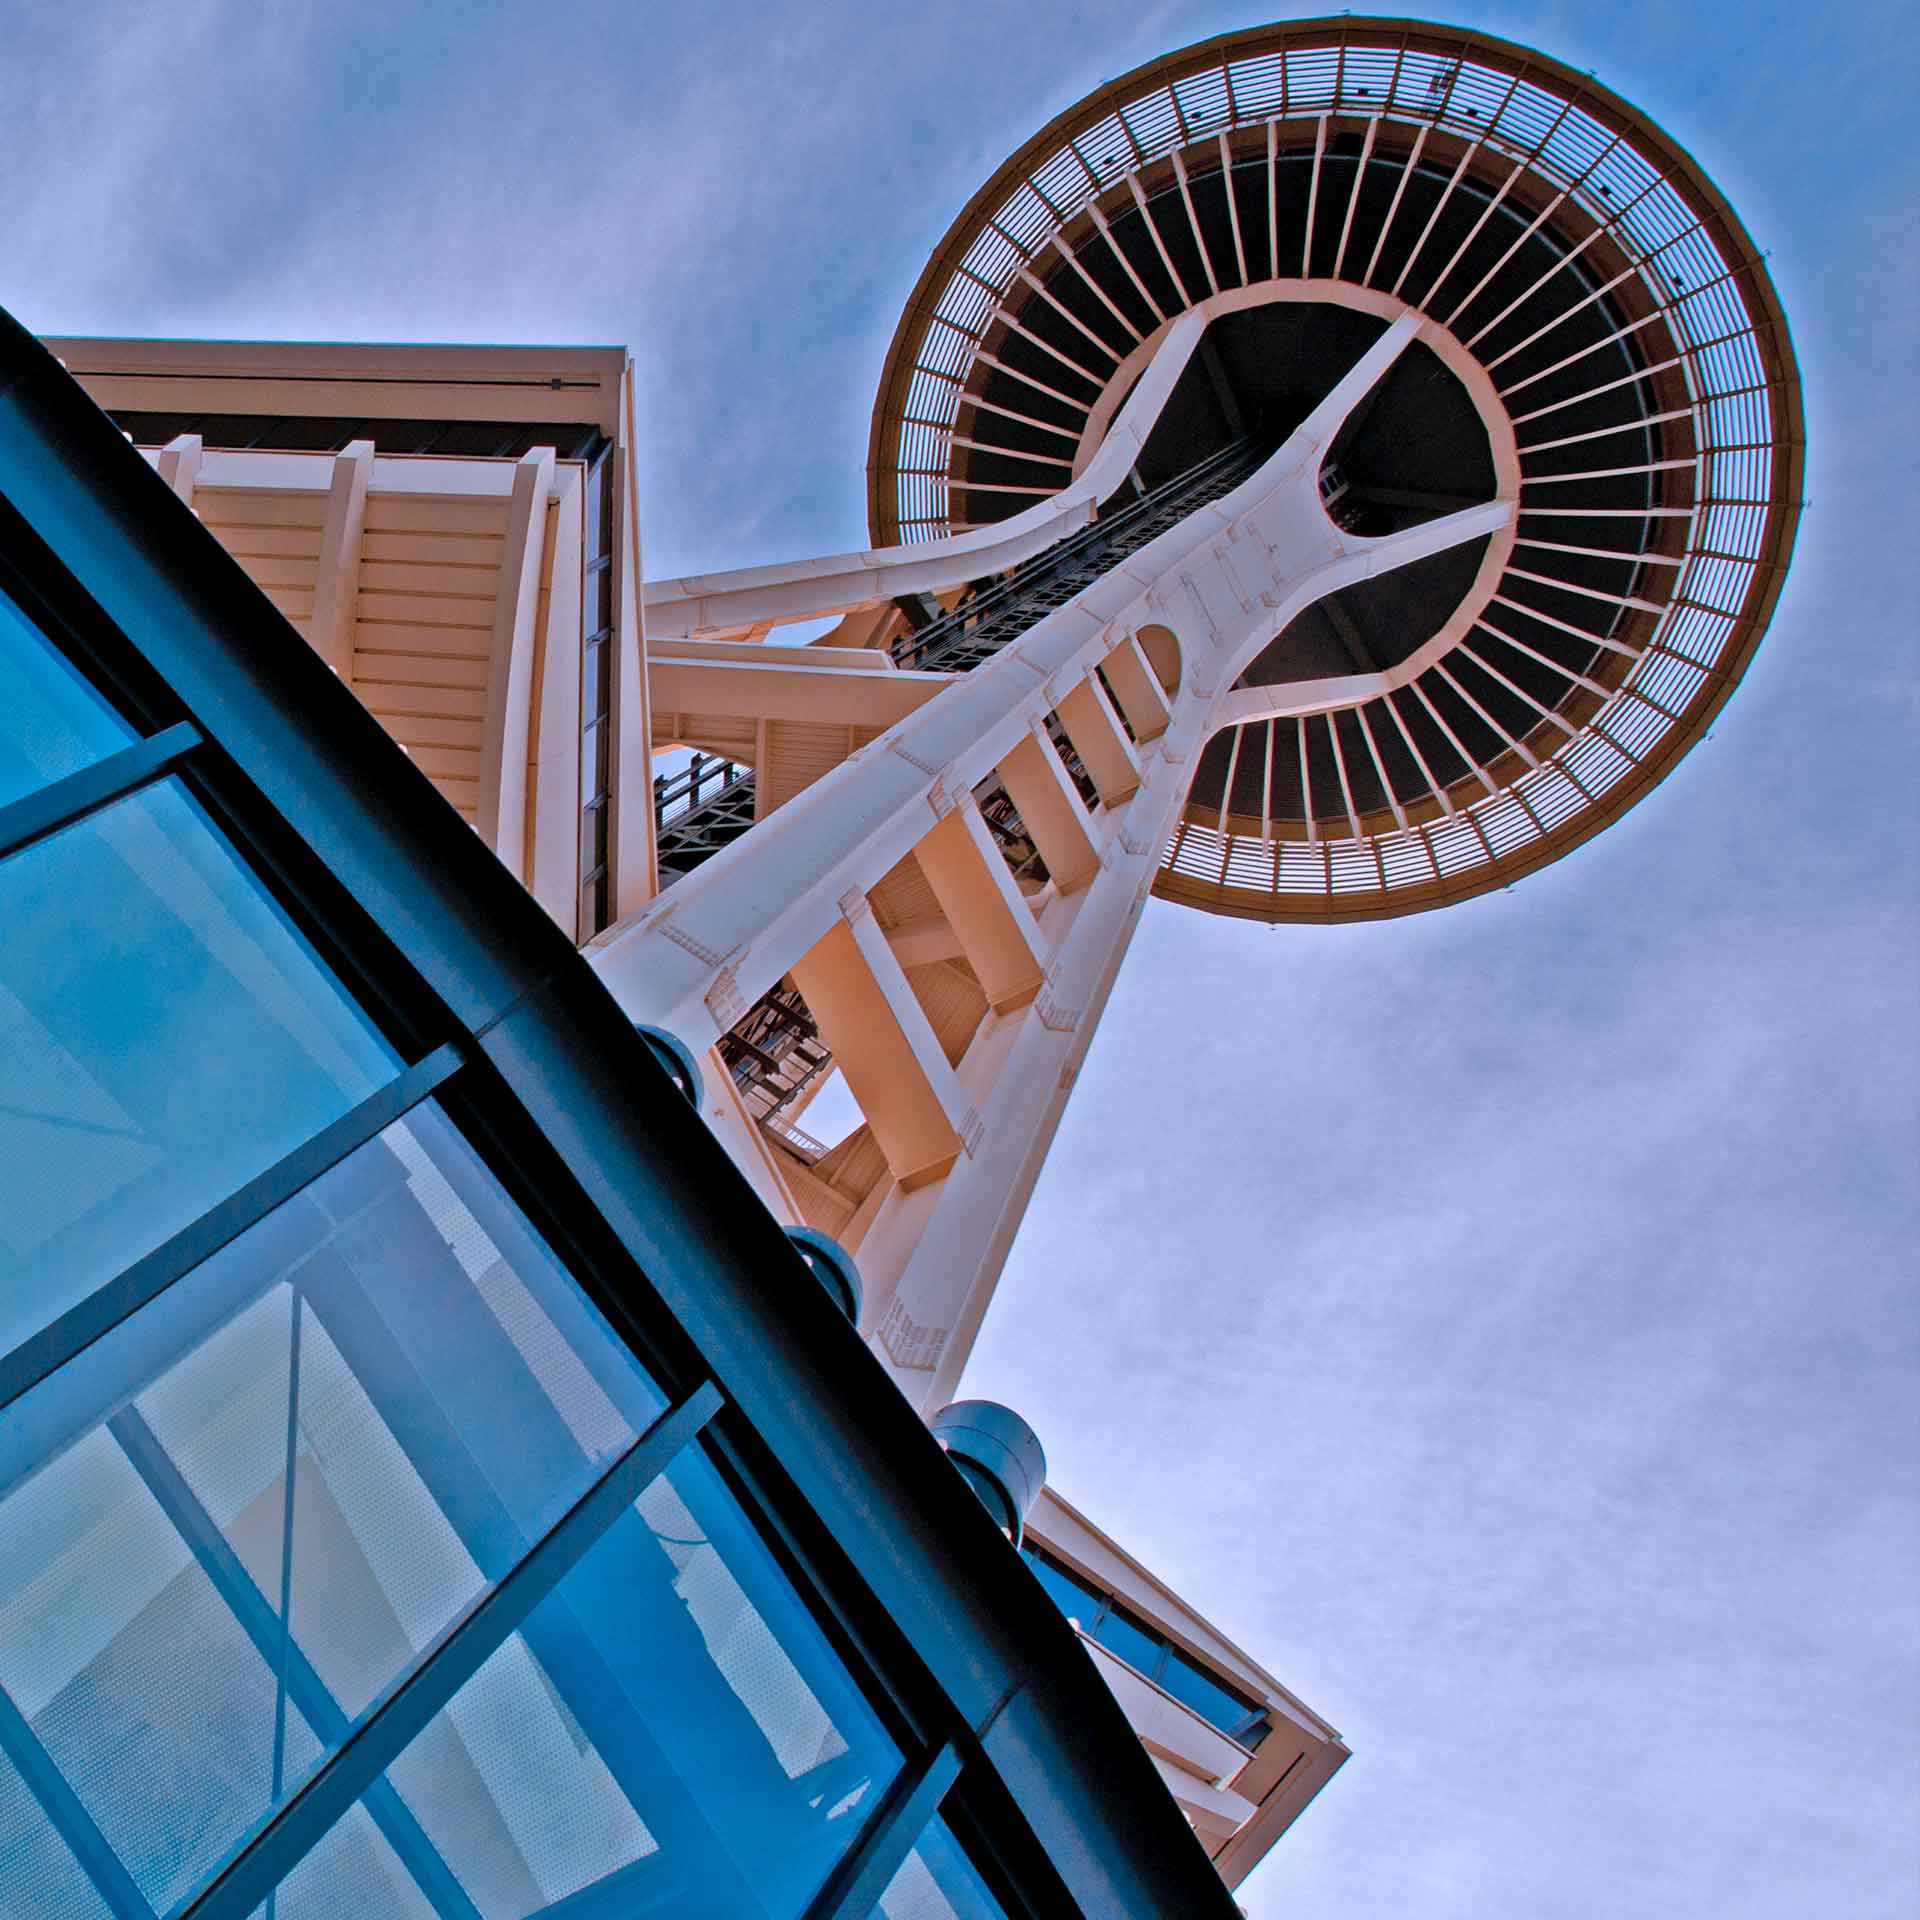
(707, 805)
(774, 1052)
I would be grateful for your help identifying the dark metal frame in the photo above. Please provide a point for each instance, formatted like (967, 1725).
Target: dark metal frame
(705, 824)
(1004, 1723)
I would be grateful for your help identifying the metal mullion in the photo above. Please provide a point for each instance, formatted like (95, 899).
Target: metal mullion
(1233, 767)
(1313, 195)
(1193, 220)
(107, 1306)
(68, 1816)
(309, 1694)
(1533, 226)
(299, 1824)
(35, 815)
(1126, 266)
(1446, 192)
(1518, 691)
(1040, 287)
(1015, 325)
(1178, 284)
(1353, 199)
(892, 1835)
(1585, 634)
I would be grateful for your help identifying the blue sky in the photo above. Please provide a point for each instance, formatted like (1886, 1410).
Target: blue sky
(1513, 1342)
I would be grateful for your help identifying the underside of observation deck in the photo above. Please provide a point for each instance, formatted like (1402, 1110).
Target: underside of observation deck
(1627, 336)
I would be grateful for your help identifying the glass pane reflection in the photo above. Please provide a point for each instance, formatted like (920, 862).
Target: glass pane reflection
(1078, 1601)
(1122, 1634)
(1210, 1700)
(165, 1035)
(670, 1728)
(229, 1526)
(52, 723)
(937, 1881)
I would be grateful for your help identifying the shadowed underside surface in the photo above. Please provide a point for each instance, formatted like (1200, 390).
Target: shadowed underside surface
(1625, 327)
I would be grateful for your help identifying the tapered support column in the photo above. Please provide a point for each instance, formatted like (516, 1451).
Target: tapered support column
(990, 919)
(867, 1015)
(179, 464)
(926, 1302)
(336, 582)
(1101, 741)
(1038, 786)
(503, 760)
(787, 897)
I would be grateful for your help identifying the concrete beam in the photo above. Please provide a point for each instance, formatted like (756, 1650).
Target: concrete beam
(510, 651)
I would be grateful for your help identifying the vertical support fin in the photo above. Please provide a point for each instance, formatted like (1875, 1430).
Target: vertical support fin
(1101, 741)
(336, 583)
(503, 757)
(1137, 688)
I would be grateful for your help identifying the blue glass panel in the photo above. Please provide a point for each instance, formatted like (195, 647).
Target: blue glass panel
(52, 723)
(669, 1732)
(937, 1881)
(165, 1035)
(1208, 1697)
(230, 1525)
(1078, 1601)
(1141, 1649)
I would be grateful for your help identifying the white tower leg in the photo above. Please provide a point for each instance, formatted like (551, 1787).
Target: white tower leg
(964, 1141)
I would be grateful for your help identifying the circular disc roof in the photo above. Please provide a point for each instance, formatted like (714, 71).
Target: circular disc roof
(1602, 297)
